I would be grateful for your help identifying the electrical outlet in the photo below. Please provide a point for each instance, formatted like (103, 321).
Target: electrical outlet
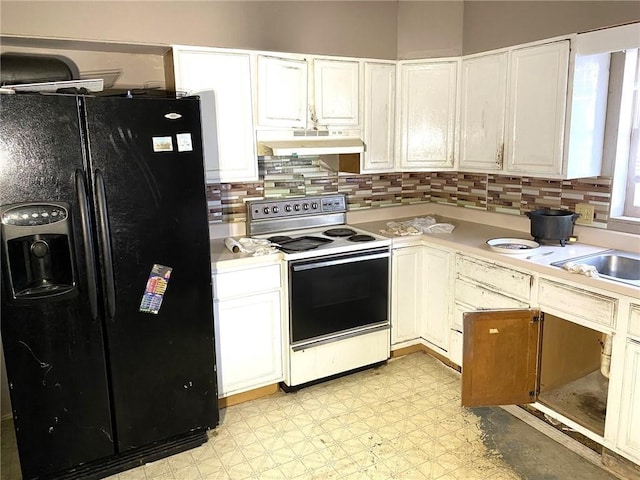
(586, 212)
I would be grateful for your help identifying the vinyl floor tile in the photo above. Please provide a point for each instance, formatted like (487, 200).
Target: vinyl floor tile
(399, 421)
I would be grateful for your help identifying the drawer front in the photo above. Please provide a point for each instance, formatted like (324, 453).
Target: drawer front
(481, 298)
(576, 303)
(634, 320)
(246, 281)
(505, 280)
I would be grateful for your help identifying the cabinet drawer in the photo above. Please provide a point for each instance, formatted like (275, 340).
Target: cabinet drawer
(246, 281)
(634, 320)
(576, 303)
(505, 280)
(482, 298)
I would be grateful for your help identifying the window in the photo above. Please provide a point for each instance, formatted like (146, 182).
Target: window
(632, 197)
(625, 136)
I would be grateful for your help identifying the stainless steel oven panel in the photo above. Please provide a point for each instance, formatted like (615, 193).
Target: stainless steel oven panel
(341, 336)
(339, 261)
(335, 295)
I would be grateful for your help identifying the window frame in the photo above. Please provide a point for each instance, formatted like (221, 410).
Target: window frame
(626, 102)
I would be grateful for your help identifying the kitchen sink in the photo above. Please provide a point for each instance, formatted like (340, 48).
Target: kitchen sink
(615, 265)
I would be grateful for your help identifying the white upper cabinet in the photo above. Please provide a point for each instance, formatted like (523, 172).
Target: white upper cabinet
(426, 129)
(222, 80)
(336, 92)
(534, 110)
(282, 92)
(300, 93)
(482, 112)
(379, 116)
(537, 86)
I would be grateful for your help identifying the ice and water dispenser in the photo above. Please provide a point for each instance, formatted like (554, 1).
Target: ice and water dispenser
(37, 251)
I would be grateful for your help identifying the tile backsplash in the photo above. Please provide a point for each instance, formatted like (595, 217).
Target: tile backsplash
(288, 177)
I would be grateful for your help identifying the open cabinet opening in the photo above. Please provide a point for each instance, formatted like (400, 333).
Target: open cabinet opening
(572, 382)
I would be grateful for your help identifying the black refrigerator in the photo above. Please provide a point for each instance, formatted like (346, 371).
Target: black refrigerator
(106, 301)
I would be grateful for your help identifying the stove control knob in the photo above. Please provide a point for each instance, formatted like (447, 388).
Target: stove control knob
(305, 206)
(296, 207)
(275, 209)
(266, 210)
(287, 208)
(314, 205)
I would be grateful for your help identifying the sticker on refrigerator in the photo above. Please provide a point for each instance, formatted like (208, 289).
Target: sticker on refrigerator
(154, 291)
(184, 142)
(162, 144)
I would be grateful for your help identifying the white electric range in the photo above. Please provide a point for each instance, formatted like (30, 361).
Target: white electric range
(337, 286)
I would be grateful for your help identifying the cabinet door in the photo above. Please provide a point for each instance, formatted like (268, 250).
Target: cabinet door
(437, 293)
(427, 115)
(500, 357)
(223, 83)
(406, 293)
(536, 106)
(482, 112)
(336, 92)
(629, 433)
(456, 334)
(379, 116)
(249, 345)
(282, 92)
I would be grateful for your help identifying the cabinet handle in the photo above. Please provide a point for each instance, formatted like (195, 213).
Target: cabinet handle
(500, 155)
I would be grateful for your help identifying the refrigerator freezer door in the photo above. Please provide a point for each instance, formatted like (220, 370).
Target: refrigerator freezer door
(53, 344)
(149, 187)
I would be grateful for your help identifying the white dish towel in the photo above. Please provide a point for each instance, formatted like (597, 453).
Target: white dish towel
(581, 268)
(254, 246)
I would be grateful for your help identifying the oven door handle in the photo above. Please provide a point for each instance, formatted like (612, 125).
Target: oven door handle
(338, 261)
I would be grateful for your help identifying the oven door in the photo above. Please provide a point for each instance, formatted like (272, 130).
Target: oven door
(338, 295)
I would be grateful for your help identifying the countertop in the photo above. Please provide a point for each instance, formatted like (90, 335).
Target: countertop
(469, 237)
(223, 258)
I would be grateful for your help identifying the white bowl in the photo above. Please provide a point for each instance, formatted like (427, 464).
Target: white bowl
(512, 245)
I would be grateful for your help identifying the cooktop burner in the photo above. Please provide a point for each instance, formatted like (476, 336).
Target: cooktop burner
(298, 244)
(361, 238)
(279, 238)
(339, 232)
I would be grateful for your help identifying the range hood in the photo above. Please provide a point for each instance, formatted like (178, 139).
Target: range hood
(322, 143)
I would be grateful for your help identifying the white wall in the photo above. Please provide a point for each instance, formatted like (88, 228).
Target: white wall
(494, 24)
(349, 28)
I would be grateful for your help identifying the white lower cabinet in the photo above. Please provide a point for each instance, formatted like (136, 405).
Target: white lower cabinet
(436, 293)
(406, 294)
(629, 425)
(248, 328)
(420, 283)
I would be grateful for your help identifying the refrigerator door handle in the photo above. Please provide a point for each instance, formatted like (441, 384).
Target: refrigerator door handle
(87, 242)
(101, 201)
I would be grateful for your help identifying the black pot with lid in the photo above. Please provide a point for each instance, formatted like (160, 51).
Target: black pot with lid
(549, 225)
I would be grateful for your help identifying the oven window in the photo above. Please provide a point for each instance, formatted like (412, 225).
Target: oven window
(328, 298)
